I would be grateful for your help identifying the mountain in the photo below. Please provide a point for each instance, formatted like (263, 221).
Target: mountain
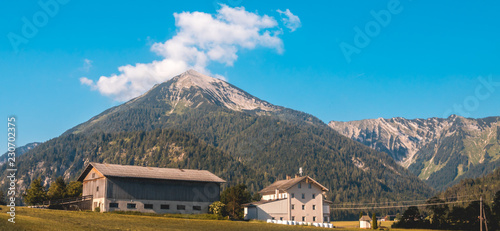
(439, 151)
(19, 151)
(263, 142)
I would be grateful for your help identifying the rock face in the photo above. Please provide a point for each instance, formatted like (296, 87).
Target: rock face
(218, 92)
(440, 151)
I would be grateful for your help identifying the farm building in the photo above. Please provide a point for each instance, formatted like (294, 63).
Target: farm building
(149, 189)
(365, 222)
(294, 199)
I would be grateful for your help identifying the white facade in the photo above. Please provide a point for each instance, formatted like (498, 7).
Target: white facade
(365, 225)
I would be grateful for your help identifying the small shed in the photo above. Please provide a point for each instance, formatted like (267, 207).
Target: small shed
(365, 222)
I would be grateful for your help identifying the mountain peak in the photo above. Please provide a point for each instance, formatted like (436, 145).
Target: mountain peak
(216, 91)
(194, 78)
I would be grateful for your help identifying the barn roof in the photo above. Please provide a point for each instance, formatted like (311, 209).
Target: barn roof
(115, 170)
(284, 185)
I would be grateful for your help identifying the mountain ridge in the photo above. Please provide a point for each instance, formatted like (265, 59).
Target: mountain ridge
(440, 151)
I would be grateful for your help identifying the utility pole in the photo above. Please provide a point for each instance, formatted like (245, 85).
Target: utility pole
(481, 214)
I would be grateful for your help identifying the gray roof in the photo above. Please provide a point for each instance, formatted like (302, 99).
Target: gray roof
(365, 218)
(115, 170)
(254, 203)
(283, 185)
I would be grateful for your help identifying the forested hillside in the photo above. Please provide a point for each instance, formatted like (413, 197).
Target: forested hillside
(229, 132)
(485, 186)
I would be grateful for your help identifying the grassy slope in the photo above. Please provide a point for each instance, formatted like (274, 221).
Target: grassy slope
(41, 219)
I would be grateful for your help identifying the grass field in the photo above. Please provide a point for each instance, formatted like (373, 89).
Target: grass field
(43, 219)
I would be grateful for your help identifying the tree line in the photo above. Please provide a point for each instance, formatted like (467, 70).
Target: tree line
(438, 215)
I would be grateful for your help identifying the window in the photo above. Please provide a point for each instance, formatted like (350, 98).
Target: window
(281, 218)
(303, 218)
(164, 206)
(314, 196)
(326, 219)
(148, 206)
(293, 195)
(181, 207)
(303, 196)
(293, 218)
(97, 189)
(293, 206)
(272, 218)
(130, 206)
(303, 207)
(113, 205)
(309, 186)
(314, 218)
(197, 208)
(300, 186)
(314, 207)
(93, 175)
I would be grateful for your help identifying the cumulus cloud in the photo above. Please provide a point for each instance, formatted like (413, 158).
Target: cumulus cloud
(86, 81)
(201, 38)
(87, 64)
(290, 20)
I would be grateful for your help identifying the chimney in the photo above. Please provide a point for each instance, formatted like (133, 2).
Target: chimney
(288, 177)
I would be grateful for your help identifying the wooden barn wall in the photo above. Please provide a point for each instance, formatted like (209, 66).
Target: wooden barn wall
(90, 187)
(150, 189)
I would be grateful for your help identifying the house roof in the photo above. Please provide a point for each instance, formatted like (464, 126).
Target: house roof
(365, 218)
(115, 170)
(261, 202)
(328, 202)
(284, 185)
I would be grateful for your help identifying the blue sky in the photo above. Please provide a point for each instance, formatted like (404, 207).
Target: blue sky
(429, 59)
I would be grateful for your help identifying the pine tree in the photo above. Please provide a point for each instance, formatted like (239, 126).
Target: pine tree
(2, 198)
(234, 197)
(57, 189)
(36, 194)
(74, 189)
(374, 221)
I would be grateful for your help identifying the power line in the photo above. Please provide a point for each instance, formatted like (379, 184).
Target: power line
(402, 206)
(392, 202)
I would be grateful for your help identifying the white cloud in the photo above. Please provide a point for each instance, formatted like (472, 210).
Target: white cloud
(290, 20)
(86, 81)
(201, 38)
(87, 64)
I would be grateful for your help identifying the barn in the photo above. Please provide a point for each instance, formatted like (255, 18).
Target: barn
(149, 189)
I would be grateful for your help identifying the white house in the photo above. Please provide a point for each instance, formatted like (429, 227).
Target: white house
(365, 222)
(294, 199)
